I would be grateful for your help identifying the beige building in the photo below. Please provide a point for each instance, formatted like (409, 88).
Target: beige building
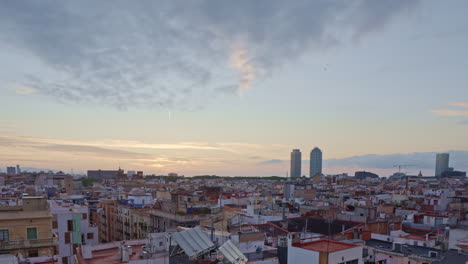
(107, 221)
(27, 229)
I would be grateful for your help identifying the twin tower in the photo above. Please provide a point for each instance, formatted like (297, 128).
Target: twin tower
(315, 162)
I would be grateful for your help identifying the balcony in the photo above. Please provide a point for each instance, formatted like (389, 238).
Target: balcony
(9, 245)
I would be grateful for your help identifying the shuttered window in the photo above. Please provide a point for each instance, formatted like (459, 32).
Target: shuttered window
(32, 233)
(67, 238)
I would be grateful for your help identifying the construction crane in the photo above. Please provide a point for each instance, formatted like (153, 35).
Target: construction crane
(402, 166)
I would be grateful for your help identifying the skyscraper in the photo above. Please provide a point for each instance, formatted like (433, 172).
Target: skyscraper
(315, 162)
(296, 159)
(18, 169)
(442, 163)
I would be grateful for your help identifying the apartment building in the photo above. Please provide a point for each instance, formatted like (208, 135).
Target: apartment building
(107, 220)
(72, 227)
(26, 229)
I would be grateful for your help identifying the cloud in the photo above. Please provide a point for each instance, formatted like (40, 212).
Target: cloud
(420, 160)
(22, 89)
(459, 104)
(94, 151)
(449, 112)
(452, 112)
(7, 127)
(110, 144)
(174, 53)
(273, 161)
(69, 147)
(239, 60)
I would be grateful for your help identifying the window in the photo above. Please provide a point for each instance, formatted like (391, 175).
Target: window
(70, 225)
(84, 216)
(33, 253)
(31, 232)
(67, 238)
(54, 225)
(64, 260)
(90, 235)
(4, 235)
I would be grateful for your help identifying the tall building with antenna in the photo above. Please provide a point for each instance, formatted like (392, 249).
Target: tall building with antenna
(315, 162)
(296, 160)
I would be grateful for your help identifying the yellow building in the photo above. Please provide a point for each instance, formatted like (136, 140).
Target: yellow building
(27, 229)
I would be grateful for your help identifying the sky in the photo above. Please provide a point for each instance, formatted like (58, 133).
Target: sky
(231, 87)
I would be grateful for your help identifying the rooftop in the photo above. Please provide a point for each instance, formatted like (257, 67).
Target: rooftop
(405, 249)
(315, 225)
(109, 253)
(325, 245)
(15, 215)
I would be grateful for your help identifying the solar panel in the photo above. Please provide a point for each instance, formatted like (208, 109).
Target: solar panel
(193, 242)
(232, 253)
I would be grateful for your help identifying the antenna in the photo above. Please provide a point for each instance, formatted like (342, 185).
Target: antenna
(402, 166)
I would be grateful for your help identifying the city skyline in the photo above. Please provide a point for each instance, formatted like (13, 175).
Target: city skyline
(221, 93)
(427, 163)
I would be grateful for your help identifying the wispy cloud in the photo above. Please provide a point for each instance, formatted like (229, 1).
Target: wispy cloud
(459, 104)
(70, 147)
(240, 60)
(450, 112)
(7, 128)
(112, 143)
(273, 161)
(23, 89)
(93, 151)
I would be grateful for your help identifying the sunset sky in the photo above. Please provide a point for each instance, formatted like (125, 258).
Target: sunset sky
(231, 87)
